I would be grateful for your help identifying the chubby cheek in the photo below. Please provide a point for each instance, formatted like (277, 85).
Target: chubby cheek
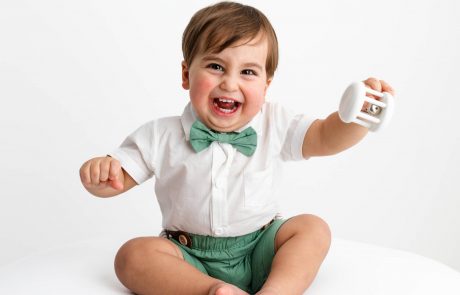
(255, 98)
(200, 89)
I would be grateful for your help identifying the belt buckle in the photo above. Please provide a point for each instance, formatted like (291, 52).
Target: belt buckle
(181, 236)
(184, 239)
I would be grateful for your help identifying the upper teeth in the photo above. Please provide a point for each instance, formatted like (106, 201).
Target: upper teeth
(226, 100)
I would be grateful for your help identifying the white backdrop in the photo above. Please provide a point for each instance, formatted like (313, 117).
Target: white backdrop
(76, 77)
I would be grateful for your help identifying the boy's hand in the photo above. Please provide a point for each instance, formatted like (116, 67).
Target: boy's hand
(101, 173)
(378, 85)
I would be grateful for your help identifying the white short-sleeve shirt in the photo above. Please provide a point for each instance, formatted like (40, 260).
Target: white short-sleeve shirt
(218, 191)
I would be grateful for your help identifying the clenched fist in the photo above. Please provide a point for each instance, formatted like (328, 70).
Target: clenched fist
(102, 175)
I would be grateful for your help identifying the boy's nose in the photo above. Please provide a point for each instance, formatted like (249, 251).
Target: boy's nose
(229, 83)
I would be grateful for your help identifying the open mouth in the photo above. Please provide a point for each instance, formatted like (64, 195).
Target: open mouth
(225, 105)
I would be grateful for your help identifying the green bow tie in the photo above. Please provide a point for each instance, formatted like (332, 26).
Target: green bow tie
(201, 137)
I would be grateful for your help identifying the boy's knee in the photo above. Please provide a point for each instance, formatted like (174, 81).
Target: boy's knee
(127, 257)
(134, 254)
(312, 224)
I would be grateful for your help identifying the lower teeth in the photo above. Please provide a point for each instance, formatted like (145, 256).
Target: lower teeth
(225, 110)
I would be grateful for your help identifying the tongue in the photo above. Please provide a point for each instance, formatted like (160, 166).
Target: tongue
(225, 105)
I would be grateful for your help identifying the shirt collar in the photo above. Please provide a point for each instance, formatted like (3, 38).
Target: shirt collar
(189, 117)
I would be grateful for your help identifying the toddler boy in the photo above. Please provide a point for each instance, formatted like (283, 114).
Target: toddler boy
(216, 167)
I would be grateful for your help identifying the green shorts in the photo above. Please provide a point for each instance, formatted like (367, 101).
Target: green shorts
(243, 261)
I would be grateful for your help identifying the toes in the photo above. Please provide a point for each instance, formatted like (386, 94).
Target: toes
(226, 289)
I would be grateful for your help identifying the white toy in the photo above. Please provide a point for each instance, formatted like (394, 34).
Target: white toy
(377, 114)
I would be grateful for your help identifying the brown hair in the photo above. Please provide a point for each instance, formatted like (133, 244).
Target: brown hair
(216, 27)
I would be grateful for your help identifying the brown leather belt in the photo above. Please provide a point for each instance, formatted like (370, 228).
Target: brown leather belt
(180, 236)
(184, 237)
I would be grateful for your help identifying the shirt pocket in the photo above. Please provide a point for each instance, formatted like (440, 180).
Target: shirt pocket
(258, 188)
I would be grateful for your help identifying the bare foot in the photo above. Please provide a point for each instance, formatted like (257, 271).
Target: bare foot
(226, 289)
(268, 291)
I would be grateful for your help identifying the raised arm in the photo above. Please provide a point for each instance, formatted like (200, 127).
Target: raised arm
(331, 135)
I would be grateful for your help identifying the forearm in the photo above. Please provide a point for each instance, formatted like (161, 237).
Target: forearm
(331, 135)
(337, 136)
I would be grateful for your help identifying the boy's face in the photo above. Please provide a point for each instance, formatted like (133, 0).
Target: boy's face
(227, 89)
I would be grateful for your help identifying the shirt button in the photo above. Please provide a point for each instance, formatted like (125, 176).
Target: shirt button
(218, 231)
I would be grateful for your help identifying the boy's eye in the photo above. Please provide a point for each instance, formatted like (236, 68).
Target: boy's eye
(215, 66)
(248, 72)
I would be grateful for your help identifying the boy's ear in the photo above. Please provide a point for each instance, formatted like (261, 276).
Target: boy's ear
(266, 86)
(185, 79)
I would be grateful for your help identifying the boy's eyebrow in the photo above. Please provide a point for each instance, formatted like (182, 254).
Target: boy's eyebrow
(218, 59)
(253, 65)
